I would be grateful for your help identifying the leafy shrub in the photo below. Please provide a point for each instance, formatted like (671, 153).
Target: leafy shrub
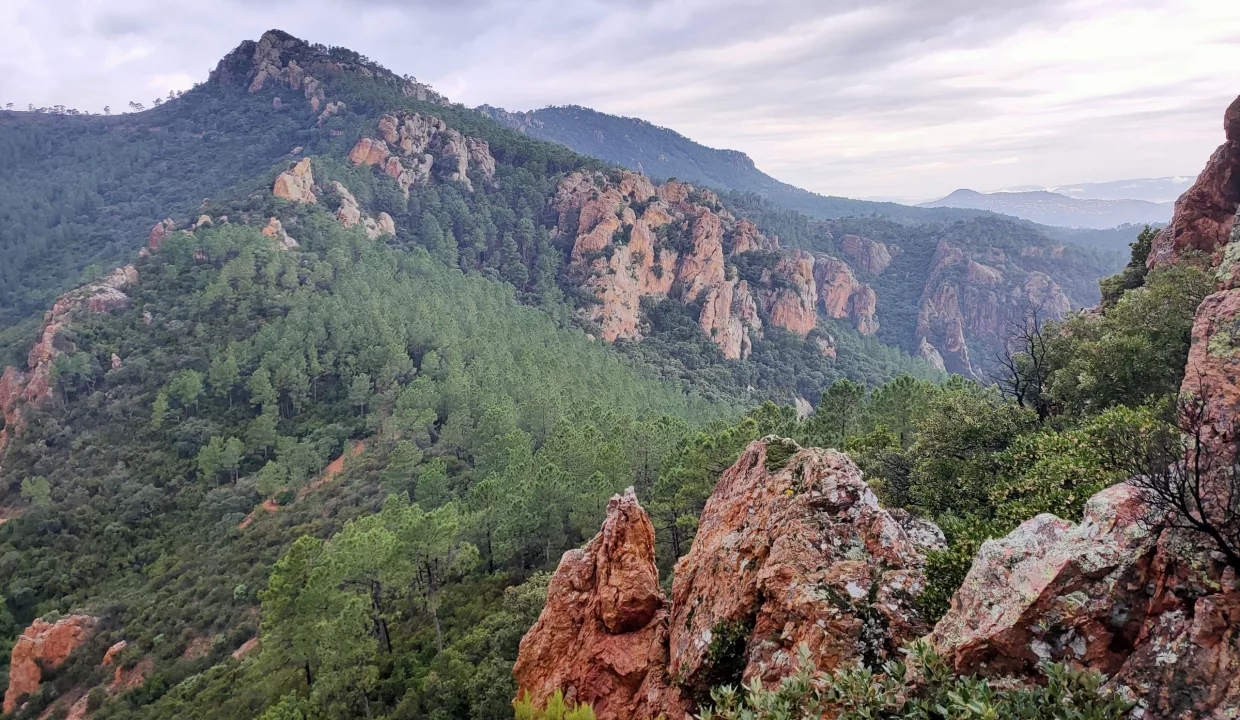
(556, 709)
(923, 688)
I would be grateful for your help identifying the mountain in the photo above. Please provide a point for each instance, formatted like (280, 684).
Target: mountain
(327, 442)
(665, 154)
(1156, 190)
(1049, 208)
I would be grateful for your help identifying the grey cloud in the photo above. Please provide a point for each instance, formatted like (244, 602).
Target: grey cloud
(843, 96)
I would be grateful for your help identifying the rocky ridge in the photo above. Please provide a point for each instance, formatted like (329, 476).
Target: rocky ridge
(632, 239)
(278, 59)
(33, 386)
(792, 548)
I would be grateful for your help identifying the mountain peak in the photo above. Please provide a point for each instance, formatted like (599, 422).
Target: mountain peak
(298, 65)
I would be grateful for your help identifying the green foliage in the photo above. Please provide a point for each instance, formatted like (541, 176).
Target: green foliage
(924, 688)
(1136, 351)
(1133, 274)
(555, 709)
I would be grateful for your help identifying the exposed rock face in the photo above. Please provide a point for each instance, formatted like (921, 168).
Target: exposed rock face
(965, 300)
(799, 553)
(275, 230)
(873, 256)
(843, 296)
(635, 240)
(1071, 592)
(35, 385)
(411, 144)
(296, 184)
(282, 60)
(350, 214)
(159, 232)
(602, 636)
(794, 304)
(1205, 213)
(1150, 609)
(43, 646)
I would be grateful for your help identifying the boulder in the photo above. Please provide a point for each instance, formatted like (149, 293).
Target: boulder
(43, 647)
(601, 638)
(296, 183)
(1073, 593)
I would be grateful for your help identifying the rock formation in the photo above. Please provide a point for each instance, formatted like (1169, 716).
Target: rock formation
(1152, 610)
(42, 647)
(34, 386)
(842, 296)
(792, 548)
(296, 183)
(1071, 592)
(633, 240)
(1205, 213)
(159, 232)
(281, 60)
(602, 636)
(409, 145)
(275, 230)
(872, 256)
(968, 301)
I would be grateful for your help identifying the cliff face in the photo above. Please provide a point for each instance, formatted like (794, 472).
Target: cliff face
(966, 302)
(633, 240)
(843, 296)
(1204, 214)
(791, 548)
(43, 647)
(873, 256)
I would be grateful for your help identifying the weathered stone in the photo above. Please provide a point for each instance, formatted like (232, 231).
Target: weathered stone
(296, 183)
(43, 647)
(601, 638)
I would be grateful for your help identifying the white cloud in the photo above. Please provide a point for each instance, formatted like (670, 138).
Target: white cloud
(892, 97)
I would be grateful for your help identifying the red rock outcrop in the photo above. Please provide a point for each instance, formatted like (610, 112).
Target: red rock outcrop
(792, 548)
(296, 183)
(793, 304)
(602, 636)
(871, 255)
(1071, 592)
(42, 647)
(1151, 609)
(793, 552)
(159, 232)
(411, 144)
(843, 296)
(1205, 213)
(627, 235)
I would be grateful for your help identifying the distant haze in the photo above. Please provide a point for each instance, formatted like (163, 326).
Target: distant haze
(894, 98)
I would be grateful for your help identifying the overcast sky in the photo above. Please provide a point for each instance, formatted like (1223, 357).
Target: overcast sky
(896, 98)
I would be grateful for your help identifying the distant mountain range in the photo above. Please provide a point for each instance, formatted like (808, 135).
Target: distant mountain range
(664, 154)
(1154, 190)
(1050, 208)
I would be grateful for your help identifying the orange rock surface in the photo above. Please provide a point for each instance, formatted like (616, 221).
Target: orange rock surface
(42, 647)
